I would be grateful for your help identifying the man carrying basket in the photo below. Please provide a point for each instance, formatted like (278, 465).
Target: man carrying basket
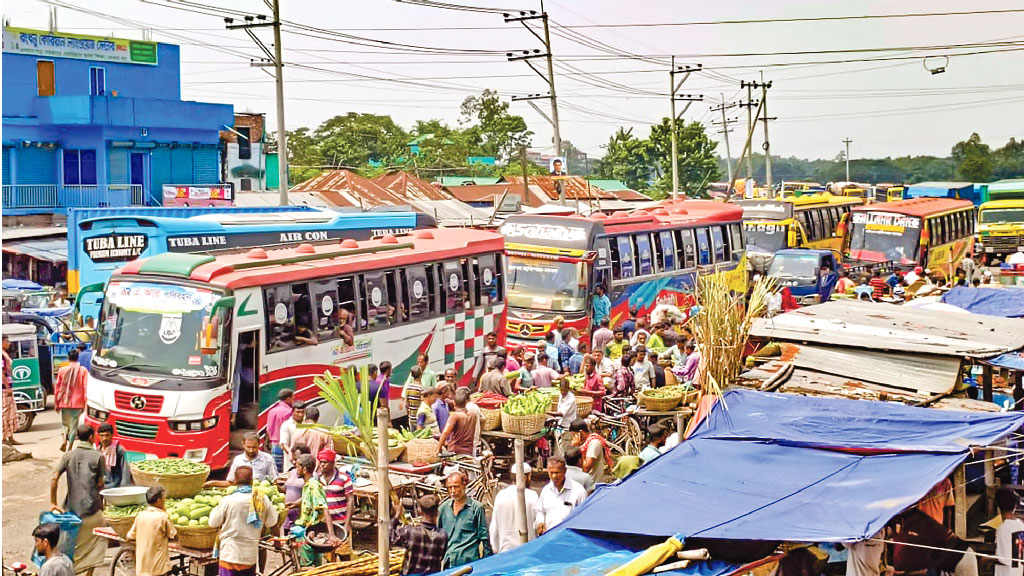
(241, 517)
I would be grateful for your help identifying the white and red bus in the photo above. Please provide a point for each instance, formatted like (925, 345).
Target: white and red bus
(184, 337)
(642, 258)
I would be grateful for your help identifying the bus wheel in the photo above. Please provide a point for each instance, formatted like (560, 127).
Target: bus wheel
(24, 421)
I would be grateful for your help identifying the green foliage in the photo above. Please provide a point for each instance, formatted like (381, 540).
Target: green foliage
(627, 158)
(354, 401)
(973, 159)
(356, 139)
(491, 129)
(698, 164)
(1009, 160)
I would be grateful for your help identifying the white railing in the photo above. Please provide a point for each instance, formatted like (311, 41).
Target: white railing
(72, 195)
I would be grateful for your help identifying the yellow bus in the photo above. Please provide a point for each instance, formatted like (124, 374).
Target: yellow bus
(935, 233)
(808, 221)
(1001, 228)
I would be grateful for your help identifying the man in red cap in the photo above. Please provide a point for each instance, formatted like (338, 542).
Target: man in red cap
(338, 487)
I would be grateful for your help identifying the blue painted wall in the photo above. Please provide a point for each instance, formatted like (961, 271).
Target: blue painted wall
(140, 112)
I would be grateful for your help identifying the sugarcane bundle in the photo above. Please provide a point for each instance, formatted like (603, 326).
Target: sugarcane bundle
(722, 327)
(363, 566)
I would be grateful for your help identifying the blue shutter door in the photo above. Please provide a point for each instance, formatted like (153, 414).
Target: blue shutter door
(160, 169)
(7, 165)
(181, 165)
(205, 160)
(117, 172)
(37, 165)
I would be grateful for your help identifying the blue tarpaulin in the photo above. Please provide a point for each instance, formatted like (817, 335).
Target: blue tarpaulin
(771, 467)
(1013, 361)
(1007, 302)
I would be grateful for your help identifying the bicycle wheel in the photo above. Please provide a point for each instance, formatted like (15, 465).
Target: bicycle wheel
(634, 438)
(123, 563)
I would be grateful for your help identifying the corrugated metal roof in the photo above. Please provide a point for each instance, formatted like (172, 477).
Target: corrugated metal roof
(433, 200)
(609, 185)
(576, 188)
(257, 199)
(480, 193)
(346, 188)
(877, 326)
(927, 374)
(410, 187)
(468, 180)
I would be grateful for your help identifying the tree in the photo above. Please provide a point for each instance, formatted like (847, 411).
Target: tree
(1009, 160)
(578, 162)
(353, 140)
(973, 159)
(626, 159)
(495, 132)
(698, 164)
(304, 160)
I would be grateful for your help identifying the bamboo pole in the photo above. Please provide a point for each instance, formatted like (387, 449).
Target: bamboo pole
(383, 493)
(524, 531)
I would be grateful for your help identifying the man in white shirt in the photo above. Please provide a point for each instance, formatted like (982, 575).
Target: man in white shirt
(643, 369)
(566, 414)
(241, 517)
(288, 431)
(865, 557)
(558, 498)
(505, 520)
(261, 463)
(1009, 535)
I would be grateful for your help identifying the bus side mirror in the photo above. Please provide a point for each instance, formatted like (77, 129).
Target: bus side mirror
(90, 289)
(209, 338)
(791, 238)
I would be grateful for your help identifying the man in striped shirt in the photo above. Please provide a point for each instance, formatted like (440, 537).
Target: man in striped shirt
(878, 285)
(338, 487)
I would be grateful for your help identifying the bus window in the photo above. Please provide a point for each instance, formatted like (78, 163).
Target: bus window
(487, 279)
(280, 313)
(374, 304)
(718, 242)
(657, 253)
(940, 230)
(397, 309)
(347, 300)
(687, 252)
(470, 289)
(304, 327)
(643, 254)
(815, 228)
(325, 300)
(435, 299)
(668, 250)
(736, 241)
(414, 287)
(625, 257)
(452, 278)
(703, 247)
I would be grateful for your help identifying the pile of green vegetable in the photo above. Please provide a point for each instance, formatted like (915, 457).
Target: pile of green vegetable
(171, 467)
(576, 381)
(195, 511)
(531, 403)
(395, 438)
(421, 434)
(666, 392)
(124, 511)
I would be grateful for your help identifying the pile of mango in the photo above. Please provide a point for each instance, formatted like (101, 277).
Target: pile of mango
(195, 511)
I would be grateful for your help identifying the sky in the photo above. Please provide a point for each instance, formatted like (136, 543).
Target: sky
(612, 61)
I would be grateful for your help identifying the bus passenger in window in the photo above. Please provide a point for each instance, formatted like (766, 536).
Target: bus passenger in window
(344, 328)
(303, 335)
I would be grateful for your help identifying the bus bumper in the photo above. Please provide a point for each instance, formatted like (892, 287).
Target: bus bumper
(207, 446)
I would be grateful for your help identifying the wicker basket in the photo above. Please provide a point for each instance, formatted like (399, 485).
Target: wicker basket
(492, 419)
(197, 537)
(176, 485)
(395, 453)
(660, 404)
(523, 425)
(422, 451)
(584, 405)
(121, 525)
(346, 445)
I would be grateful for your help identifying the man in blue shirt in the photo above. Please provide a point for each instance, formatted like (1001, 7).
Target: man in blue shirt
(465, 523)
(602, 305)
(658, 434)
(85, 356)
(552, 351)
(629, 326)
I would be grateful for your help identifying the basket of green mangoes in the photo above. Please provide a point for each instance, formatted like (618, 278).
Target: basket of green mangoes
(180, 478)
(121, 518)
(662, 399)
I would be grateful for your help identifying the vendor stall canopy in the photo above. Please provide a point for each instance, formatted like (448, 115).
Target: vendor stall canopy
(772, 467)
(1007, 302)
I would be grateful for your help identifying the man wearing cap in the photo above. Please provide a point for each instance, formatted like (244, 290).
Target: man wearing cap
(913, 275)
(337, 486)
(506, 520)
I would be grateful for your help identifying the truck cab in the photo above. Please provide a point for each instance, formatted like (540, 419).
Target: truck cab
(810, 275)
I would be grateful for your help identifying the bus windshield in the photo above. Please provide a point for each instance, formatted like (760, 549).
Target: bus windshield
(794, 266)
(765, 237)
(155, 329)
(1002, 216)
(883, 236)
(547, 284)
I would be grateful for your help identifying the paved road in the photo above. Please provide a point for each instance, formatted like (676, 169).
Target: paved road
(26, 486)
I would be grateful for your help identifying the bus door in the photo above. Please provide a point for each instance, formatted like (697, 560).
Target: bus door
(245, 399)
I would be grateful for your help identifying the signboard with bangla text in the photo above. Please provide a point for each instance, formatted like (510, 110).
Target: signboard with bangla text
(79, 46)
(197, 195)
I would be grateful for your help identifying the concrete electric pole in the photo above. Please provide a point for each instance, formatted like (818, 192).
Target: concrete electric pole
(847, 156)
(673, 97)
(725, 135)
(276, 60)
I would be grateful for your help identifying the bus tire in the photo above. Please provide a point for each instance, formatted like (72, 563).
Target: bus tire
(24, 421)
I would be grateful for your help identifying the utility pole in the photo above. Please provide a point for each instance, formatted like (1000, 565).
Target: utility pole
(276, 60)
(749, 105)
(673, 97)
(847, 156)
(526, 56)
(725, 134)
(763, 107)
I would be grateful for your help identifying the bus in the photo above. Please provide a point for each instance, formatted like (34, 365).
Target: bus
(810, 221)
(186, 341)
(936, 233)
(642, 258)
(1000, 228)
(107, 243)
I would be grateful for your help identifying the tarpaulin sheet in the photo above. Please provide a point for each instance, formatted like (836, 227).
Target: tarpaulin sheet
(853, 425)
(1005, 302)
(568, 552)
(1013, 361)
(743, 490)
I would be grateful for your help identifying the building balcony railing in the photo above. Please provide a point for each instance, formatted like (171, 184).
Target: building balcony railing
(72, 195)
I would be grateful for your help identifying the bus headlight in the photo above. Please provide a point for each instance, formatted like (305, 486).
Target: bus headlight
(194, 425)
(97, 414)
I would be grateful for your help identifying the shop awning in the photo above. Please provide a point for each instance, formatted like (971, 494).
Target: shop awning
(47, 249)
